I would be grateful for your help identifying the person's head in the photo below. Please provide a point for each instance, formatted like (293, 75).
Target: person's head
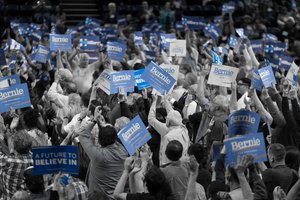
(74, 104)
(276, 154)
(174, 118)
(292, 158)
(84, 60)
(21, 195)
(121, 122)
(219, 103)
(22, 142)
(155, 180)
(69, 88)
(107, 136)
(199, 152)
(145, 5)
(34, 183)
(189, 79)
(174, 150)
(112, 7)
(180, 79)
(243, 85)
(168, 6)
(30, 118)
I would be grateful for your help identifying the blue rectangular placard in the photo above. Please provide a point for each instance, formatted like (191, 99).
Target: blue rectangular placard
(150, 56)
(140, 83)
(267, 76)
(134, 135)
(2, 57)
(89, 43)
(15, 97)
(233, 41)
(166, 39)
(138, 38)
(256, 81)
(124, 79)
(250, 144)
(285, 62)
(54, 159)
(243, 122)
(61, 42)
(212, 30)
(42, 54)
(257, 46)
(194, 22)
(158, 78)
(116, 50)
(228, 7)
(12, 80)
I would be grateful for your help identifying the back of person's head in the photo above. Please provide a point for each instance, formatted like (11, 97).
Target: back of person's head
(155, 182)
(22, 142)
(107, 136)
(34, 183)
(276, 153)
(180, 79)
(292, 158)
(74, 99)
(21, 195)
(199, 152)
(174, 118)
(30, 118)
(70, 88)
(121, 122)
(174, 150)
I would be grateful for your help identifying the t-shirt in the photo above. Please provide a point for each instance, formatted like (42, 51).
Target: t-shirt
(140, 196)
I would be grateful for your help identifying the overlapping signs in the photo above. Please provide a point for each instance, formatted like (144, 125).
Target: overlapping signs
(42, 54)
(134, 135)
(222, 75)
(7, 81)
(243, 122)
(54, 159)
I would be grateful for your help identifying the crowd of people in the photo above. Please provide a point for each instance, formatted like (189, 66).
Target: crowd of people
(69, 108)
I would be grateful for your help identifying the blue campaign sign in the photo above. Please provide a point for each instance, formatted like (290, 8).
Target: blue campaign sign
(194, 22)
(250, 144)
(89, 21)
(241, 32)
(216, 151)
(134, 135)
(42, 54)
(15, 97)
(140, 83)
(256, 81)
(257, 46)
(166, 39)
(232, 41)
(54, 159)
(179, 26)
(228, 7)
(285, 62)
(138, 38)
(89, 43)
(243, 122)
(34, 34)
(212, 30)
(158, 78)
(122, 20)
(274, 47)
(2, 57)
(267, 76)
(274, 63)
(222, 50)
(12, 80)
(269, 37)
(116, 50)
(124, 79)
(150, 56)
(61, 42)
(216, 58)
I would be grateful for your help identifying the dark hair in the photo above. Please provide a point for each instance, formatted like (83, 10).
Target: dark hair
(85, 98)
(292, 158)
(107, 136)
(156, 183)
(34, 183)
(233, 176)
(200, 154)
(174, 150)
(30, 118)
(278, 151)
(22, 142)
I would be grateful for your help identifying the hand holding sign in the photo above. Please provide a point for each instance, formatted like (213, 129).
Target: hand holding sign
(242, 163)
